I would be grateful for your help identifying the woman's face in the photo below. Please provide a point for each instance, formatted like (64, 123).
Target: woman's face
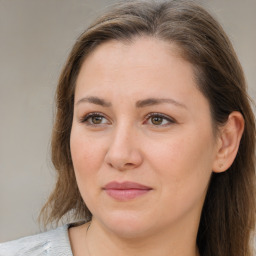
(142, 142)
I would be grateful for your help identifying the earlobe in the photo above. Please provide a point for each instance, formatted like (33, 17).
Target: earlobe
(229, 138)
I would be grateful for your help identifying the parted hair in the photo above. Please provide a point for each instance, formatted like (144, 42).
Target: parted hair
(228, 217)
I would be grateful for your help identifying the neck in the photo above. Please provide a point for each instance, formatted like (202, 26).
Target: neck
(171, 242)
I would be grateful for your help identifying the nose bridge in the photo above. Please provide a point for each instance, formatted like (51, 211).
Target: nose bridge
(124, 151)
(123, 133)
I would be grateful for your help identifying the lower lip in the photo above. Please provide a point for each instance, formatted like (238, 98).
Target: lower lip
(126, 194)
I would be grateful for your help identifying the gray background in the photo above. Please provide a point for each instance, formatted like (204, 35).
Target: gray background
(35, 38)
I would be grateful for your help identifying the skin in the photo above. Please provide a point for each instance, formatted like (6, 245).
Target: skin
(174, 156)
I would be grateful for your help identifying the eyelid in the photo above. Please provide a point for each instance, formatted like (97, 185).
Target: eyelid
(85, 118)
(171, 120)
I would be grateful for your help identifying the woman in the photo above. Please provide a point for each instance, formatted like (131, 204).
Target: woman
(154, 140)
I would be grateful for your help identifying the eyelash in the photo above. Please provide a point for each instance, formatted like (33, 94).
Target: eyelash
(87, 117)
(164, 117)
(87, 121)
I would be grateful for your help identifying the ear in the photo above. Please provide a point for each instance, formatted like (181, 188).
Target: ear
(228, 143)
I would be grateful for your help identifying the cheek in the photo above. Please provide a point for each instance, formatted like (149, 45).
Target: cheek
(184, 172)
(86, 156)
(184, 163)
(84, 149)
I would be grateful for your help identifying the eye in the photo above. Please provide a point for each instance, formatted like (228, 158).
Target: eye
(158, 119)
(95, 119)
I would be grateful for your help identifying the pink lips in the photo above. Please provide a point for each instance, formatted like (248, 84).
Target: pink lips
(126, 190)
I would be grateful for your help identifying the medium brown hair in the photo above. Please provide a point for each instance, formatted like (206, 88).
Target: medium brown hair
(228, 215)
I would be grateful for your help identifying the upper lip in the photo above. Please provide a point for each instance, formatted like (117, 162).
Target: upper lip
(125, 185)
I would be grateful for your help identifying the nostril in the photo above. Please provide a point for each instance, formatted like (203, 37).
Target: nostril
(122, 158)
(110, 165)
(120, 166)
(129, 164)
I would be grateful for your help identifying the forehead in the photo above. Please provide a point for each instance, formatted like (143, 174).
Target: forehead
(138, 49)
(126, 73)
(139, 59)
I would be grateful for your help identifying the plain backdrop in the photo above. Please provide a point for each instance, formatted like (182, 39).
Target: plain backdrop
(35, 39)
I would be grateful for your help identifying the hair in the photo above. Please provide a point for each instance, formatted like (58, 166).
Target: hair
(228, 216)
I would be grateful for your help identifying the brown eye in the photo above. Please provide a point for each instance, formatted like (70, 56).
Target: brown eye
(96, 119)
(157, 120)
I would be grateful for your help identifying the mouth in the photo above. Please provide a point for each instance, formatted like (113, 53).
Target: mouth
(126, 190)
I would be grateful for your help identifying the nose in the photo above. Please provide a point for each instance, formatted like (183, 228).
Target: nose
(124, 152)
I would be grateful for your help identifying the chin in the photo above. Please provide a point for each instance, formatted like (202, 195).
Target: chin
(127, 225)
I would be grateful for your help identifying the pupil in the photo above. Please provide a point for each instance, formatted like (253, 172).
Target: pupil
(157, 120)
(96, 119)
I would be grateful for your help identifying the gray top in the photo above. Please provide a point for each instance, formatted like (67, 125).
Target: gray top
(52, 243)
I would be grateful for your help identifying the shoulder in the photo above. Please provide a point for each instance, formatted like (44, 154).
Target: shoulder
(51, 243)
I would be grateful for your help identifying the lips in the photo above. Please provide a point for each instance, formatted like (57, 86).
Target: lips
(126, 190)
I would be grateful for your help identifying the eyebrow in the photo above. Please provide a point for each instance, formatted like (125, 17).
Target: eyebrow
(139, 104)
(95, 100)
(156, 101)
